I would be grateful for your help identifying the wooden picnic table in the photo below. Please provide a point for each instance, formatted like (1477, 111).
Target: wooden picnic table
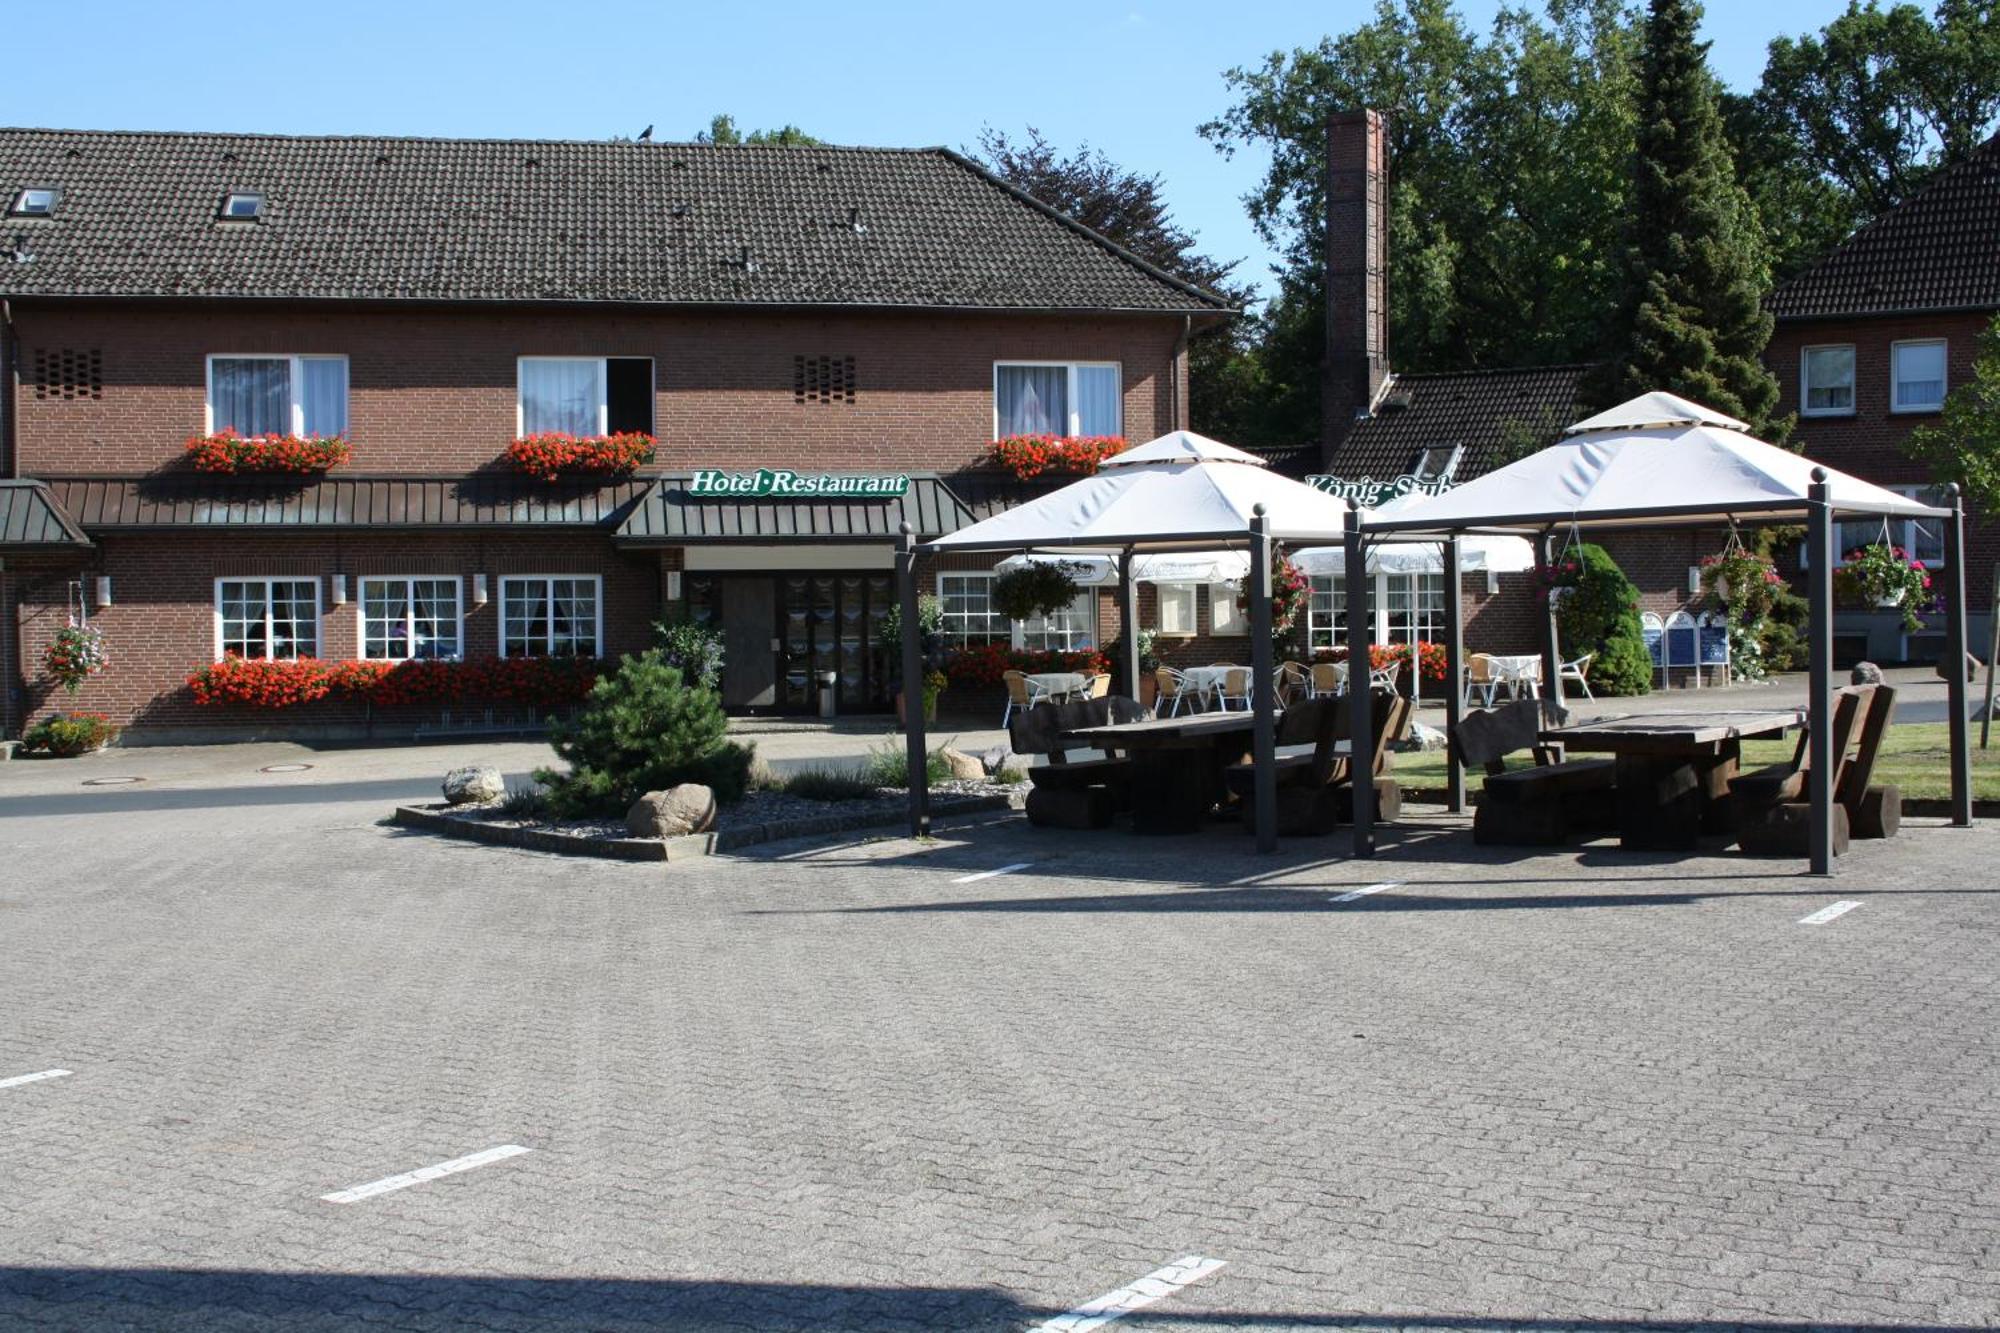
(1673, 768)
(1177, 764)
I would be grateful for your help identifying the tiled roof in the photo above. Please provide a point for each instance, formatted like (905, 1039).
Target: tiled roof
(1937, 250)
(99, 503)
(1471, 408)
(669, 516)
(526, 220)
(31, 517)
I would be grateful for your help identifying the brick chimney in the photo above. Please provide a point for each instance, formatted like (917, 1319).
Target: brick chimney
(1357, 272)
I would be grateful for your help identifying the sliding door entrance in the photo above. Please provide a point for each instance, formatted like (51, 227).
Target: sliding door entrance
(781, 633)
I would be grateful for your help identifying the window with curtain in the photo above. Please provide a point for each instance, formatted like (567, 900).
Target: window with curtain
(278, 395)
(1917, 376)
(1326, 611)
(969, 617)
(1177, 607)
(1224, 615)
(1828, 375)
(1069, 630)
(550, 615)
(1057, 398)
(562, 394)
(275, 619)
(403, 618)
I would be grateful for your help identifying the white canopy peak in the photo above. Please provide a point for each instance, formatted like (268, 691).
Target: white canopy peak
(1182, 446)
(1658, 410)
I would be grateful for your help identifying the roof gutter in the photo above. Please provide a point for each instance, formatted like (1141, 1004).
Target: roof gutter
(10, 388)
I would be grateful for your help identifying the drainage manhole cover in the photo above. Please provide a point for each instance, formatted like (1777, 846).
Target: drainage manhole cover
(110, 782)
(284, 768)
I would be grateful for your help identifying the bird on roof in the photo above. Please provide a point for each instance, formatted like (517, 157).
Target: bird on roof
(646, 135)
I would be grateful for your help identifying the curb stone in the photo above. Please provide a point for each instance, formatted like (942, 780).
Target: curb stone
(428, 819)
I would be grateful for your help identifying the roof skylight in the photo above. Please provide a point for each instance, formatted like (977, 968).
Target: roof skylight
(37, 201)
(242, 206)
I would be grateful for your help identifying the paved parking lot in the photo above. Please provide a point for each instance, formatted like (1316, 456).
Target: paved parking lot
(879, 1085)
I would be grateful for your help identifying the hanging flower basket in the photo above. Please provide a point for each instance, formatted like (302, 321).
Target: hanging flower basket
(1029, 456)
(227, 452)
(74, 656)
(1885, 577)
(553, 455)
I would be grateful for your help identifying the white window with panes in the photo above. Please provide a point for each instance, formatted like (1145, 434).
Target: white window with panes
(1069, 630)
(1057, 398)
(266, 619)
(1826, 381)
(1326, 612)
(551, 615)
(414, 617)
(969, 617)
(277, 395)
(1917, 375)
(1177, 603)
(1225, 616)
(584, 395)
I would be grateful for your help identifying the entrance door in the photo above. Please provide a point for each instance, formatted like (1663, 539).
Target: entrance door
(749, 627)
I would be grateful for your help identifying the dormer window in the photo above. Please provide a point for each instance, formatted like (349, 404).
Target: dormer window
(242, 206)
(37, 201)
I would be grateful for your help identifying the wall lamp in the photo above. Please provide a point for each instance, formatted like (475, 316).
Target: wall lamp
(337, 583)
(103, 590)
(479, 590)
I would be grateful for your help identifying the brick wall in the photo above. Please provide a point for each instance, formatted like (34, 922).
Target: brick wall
(433, 392)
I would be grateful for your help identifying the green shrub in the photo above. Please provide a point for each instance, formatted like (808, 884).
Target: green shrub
(528, 803)
(641, 729)
(888, 765)
(1010, 777)
(68, 734)
(694, 648)
(826, 784)
(1600, 614)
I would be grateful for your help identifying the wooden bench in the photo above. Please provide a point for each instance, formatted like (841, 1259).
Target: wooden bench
(1314, 789)
(1068, 793)
(1532, 807)
(1772, 806)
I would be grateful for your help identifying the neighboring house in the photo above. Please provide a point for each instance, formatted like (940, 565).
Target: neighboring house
(1869, 342)
(878, 315)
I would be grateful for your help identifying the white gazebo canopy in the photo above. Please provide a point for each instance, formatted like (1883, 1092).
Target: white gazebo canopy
(1181, 492)
(1657, 459)
(1097, 571)
(1476, 555)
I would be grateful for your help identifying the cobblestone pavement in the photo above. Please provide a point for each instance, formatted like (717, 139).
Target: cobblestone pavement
(849, 1087)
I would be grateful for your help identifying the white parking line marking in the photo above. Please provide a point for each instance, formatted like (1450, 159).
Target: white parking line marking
(989, 874)
(19, 1079)
(1155, 1286)
(1372, 888)
(418, 1177)
(1826, 914)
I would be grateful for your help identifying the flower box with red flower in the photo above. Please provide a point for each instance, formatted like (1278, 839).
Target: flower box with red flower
(554, 455)
(1029, 456)
(227, 452)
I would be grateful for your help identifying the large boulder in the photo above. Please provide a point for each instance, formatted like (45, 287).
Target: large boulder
(1425, 737)
(1865, 673)
(688, 808)
(962, 766)
(473, 785)
(995, 759)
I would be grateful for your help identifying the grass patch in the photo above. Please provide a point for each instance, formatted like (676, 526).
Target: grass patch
(888, 765)
(1913, 757)
(529, 803)
(827, 784)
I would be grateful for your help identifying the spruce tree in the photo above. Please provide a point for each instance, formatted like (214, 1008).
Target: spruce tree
(1691, 319)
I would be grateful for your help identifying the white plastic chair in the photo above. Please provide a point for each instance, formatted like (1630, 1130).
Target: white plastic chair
(1170, 684)
(1021, 693)
(1579, 671)
(1479, 675)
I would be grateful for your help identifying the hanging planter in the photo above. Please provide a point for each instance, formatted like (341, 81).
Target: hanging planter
(1885, 578)
(227, 452)
(553, 455)
(1039, 588)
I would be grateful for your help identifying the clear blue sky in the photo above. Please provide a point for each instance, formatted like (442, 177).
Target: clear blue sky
(1133, 77)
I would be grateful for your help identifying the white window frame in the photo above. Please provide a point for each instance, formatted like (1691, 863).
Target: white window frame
(603, 391)
(597, 628)
(1335, 632)
(1896, 406)
(297, 374)
(361, 614)
(1183, 594)
(1071, 396)
(986, 577)
(318, 616)
(1236, 623)
(1805, 380)
(1018, 630)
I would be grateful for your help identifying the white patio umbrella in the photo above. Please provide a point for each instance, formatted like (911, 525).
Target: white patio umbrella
(1661, 460)
(1180, 494)
(1097, 571)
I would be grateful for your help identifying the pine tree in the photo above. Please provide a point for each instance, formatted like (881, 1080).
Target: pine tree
(1691, 319)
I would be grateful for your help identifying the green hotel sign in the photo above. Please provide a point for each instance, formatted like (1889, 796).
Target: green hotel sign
(1372, 494)
(768, 483)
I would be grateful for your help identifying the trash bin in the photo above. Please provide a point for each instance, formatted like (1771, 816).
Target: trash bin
(827, 695)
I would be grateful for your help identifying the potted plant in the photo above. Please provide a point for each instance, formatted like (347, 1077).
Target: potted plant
(930, 634)
(68, 734)
(1149, 663)
(1885, 578)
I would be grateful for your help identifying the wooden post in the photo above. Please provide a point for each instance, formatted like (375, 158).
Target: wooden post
(1360, 726)
(913, 684)
(1552, 685)
(1819, 662)
(1454, 666)
(1264, 747)
(1955, 653)
(1128, 620)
